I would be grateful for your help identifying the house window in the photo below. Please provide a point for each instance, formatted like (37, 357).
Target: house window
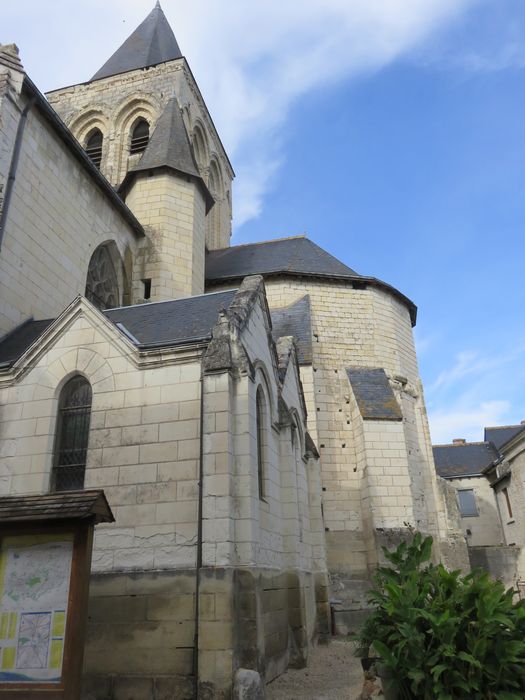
(139, 137)
(467, 503)
(72, 433)
(260, 419)
(93, 146)
(507, 501)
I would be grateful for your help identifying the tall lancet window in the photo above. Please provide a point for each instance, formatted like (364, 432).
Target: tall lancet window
(139, 137)
(72, 433)
(101, 282)
(93, 146)
(260, 413)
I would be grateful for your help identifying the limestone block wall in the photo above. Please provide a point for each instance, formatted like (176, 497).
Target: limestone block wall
(362, 327)
(172, 210)
(56, 218)
(513, 526)
(114, 105)
(486, 527)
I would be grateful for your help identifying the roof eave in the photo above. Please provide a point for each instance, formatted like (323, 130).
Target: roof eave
(78, 152)
(126, 183)
(373, 281)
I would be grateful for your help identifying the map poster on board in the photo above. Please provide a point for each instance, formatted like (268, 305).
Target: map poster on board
(35, 574)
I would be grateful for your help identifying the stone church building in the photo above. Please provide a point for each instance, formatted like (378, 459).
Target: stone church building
(253, 413)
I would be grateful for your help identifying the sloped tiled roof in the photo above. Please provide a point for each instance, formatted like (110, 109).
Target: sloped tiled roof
(373, 393)
(152, 42)
(64, 505)
(169, 147)
(470, 459)
(172, 322)
(295, 320)
(500, 435)
(169, 144)
(165, 323)
(16, 343)
(297, 255)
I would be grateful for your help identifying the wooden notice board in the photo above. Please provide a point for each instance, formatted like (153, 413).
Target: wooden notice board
(44, 583)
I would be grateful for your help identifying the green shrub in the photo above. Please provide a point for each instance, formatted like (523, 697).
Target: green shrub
(441, 635)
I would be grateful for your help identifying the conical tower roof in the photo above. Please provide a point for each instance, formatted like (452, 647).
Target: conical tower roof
(152, 42)
(169, 147)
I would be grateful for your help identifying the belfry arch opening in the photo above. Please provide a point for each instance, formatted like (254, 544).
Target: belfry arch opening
(93, 147)
(139, 137)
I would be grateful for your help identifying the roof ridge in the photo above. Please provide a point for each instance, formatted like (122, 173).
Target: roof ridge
(269, 240)
(463, 444)
(504, 427)
(167, 301)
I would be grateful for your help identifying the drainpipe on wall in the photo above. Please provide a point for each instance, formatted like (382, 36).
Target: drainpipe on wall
(199, 539)
(14, 165)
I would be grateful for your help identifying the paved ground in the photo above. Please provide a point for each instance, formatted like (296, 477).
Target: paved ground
(333, 673)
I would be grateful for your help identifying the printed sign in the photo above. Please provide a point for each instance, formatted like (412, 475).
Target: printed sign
(35, 573)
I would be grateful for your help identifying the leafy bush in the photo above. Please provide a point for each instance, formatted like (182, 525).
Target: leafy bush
(441, 635)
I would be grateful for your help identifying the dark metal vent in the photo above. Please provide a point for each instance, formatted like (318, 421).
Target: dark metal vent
(139, 137)
(94, 147)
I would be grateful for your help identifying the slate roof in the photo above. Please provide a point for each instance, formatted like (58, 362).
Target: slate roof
(169, 147)
(16, 343)
(374, 394)
(295, 256)
(500, 435)
(470, 459)
(77, 505)
(152, 42)
(158, 324)
(172, 322)
(295, 320)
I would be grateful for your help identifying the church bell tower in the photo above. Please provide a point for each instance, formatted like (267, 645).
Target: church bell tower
(142, 120)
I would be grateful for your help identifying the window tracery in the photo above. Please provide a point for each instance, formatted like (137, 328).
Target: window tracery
(101, 283)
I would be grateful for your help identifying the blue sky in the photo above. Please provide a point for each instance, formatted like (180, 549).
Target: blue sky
(391, 132)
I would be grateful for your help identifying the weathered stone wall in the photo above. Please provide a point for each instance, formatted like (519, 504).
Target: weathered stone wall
(513, 526)
(56, 218)
(114, 105)
(485, 528)
(140, 637)
(143, 444)
(172, 211)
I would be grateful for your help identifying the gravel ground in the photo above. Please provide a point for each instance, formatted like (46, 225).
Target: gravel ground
(333, 673)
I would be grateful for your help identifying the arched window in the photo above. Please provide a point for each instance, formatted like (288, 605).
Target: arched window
(139, 137)
(72, 433)
(101, 282)
(94, 146)
(260, 411)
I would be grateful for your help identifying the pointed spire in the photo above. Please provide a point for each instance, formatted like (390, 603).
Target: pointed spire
(170, 147)
(152, 42)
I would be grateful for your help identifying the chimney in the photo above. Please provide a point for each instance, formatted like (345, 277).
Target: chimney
(459, 441)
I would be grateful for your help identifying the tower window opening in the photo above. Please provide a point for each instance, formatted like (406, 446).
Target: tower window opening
(139, 137)
(147, 288)
(94, 147)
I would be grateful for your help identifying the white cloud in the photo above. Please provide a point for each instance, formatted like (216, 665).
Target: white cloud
(267, 54)
(252, 59)
(467, 422)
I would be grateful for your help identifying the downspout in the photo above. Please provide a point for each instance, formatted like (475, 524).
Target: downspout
(199, 539)
(13, 167)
